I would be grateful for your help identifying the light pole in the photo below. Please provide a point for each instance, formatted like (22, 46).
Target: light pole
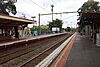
(52, 11)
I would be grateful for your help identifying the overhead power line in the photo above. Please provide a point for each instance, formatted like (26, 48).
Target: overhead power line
(69, 17)
(32, 2)
(59, 13)
(23, 13)
(53, 1)
(57, 5)
(38, 5)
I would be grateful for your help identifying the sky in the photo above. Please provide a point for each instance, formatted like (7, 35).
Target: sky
(32, 8)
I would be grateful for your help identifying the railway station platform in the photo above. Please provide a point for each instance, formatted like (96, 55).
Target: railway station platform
(26, 40)
(83, 53)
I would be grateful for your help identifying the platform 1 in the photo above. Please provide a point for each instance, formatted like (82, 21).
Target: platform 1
(5, 43)
(83, 53)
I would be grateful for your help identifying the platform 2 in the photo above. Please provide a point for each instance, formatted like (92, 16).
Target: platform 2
(83, 53)
(80, 52)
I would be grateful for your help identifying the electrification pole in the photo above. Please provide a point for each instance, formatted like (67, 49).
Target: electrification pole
(52, 16)
(39, 24)
(52, 11)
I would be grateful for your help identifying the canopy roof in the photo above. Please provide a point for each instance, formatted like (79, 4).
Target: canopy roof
(88, 18)
(15, 20)
(90, 15)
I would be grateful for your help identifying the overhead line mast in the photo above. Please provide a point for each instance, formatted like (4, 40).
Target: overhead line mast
(51, 14)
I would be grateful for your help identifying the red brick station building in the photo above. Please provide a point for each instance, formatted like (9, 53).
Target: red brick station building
(9, 26)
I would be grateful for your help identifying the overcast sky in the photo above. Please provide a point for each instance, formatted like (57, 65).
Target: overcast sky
(34, 7)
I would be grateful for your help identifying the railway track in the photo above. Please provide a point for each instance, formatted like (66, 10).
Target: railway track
(31, 54)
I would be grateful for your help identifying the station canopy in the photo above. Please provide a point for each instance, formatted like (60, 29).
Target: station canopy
(88, 18)
(11, 20)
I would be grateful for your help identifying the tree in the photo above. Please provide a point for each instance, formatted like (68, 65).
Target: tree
(35, 28)
(68, 29)
(56, 23)
(90, 6)
(7, 7)
(42, 28)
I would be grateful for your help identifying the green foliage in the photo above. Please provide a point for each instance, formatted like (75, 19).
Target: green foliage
(44, 27)
(36, 28)
(68, 29)
(7, 6)
(56, 23)
(90, 7)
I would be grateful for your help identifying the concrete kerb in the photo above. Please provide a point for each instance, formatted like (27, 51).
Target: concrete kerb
(49, 59)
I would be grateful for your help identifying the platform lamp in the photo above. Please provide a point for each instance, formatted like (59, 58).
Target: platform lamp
(33, 20)
(33, 17)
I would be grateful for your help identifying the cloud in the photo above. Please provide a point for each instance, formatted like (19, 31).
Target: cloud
(30, 8)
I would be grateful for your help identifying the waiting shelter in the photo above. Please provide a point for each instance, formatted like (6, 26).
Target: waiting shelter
(9, 26)
(90, 23)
